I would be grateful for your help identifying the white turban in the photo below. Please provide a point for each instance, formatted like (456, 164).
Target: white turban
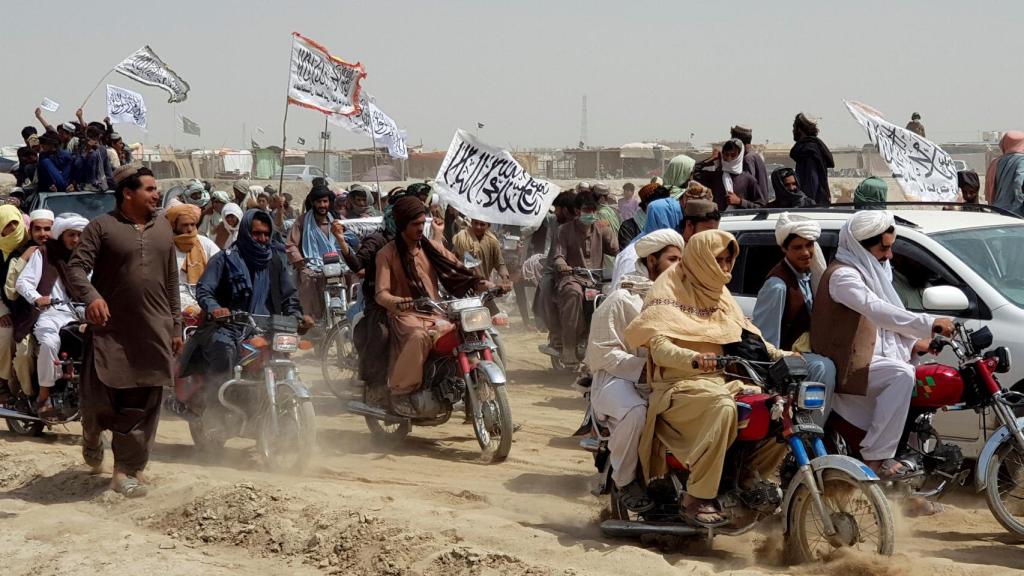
(41, 214)
(870, 223)
(70, 222)
(877, 275)
(657, 241)
(802, 226)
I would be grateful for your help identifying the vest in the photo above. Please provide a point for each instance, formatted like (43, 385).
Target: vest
(796, 318)
(844, 336)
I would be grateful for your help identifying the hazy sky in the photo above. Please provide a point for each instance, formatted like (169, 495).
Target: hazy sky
(650, 70)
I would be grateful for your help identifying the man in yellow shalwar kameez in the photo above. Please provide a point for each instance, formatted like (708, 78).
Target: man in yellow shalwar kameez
(688, 316)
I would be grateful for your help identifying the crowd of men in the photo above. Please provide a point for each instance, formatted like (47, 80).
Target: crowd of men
(209, 252)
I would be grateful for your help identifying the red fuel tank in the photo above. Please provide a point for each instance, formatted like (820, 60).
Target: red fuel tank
(936, 386)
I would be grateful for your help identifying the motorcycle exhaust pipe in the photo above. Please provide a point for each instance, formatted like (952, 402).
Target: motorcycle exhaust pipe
(363, 409)
(6, 414)
(629, 529)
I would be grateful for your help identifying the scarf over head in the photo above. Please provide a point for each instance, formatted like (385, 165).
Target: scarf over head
(678, 172)
(315, 243)
(733, 167)
(872, 190)
(877, 275)
(657, 241)
(807, 229)
(784, 197)
(690, 302)
(231, 209)
(968, 179)
(12, 241)
(254, 281)
(57, 254)
(1011, 143)
(189, 244)
(661, 214)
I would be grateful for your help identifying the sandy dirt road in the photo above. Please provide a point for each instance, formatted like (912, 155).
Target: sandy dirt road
(428, 507)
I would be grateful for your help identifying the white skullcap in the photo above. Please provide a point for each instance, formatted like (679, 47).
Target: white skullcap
(657, 241)
(41, 214)
(69, 222)
(802, 226)
(870, 223)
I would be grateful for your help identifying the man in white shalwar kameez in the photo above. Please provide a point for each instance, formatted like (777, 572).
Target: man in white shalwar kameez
(617, 395)
(861, 280)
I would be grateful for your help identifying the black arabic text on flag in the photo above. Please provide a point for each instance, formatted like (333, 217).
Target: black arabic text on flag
(146, 67)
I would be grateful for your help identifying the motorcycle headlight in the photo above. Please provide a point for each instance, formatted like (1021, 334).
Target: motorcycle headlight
(811, 396)
(332, 270)
(286, 342)
(475, 319)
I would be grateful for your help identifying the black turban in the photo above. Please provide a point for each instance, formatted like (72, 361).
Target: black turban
(968, 179)
(406, 210)
(316, 193)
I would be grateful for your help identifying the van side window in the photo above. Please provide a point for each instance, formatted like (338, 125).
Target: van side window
(915, 269)
(759, 254)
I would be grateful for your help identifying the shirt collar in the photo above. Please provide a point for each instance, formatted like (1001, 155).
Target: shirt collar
(802, 276)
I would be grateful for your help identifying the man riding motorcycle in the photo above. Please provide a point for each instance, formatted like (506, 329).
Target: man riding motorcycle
(251, 276)
(860, 323)
(410, 267)
(618, 393)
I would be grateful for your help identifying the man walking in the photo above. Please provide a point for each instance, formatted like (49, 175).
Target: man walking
(135, 326)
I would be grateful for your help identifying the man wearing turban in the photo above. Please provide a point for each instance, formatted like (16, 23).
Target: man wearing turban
(617, 396)
(860, 323)
(313, 235)
(193, 250)
(785, 301)
(410, 267)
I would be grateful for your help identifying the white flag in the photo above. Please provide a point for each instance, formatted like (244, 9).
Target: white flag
(125, 107)
(321, 81)
(49, 105)
(922, 169)
(146, 67)
(372, 121)
(486, 183)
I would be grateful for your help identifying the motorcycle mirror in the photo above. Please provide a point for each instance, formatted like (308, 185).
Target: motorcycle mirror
(945, 299)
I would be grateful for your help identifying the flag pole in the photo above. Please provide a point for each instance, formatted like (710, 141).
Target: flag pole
(376, 171)
(94, 88)
(284, 143)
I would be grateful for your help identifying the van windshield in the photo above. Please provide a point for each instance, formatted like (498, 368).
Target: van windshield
(994, 254)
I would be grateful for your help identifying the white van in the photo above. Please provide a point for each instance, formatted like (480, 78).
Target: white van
(979, 253)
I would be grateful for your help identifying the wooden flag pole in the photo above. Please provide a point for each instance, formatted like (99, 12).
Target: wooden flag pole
(376, 171)
(94, 88)
(284, 144)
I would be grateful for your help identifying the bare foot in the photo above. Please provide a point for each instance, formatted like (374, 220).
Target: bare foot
(142, 477)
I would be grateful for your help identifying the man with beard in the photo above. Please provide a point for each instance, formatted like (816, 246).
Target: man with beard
(135, 326)
(310, 238)
(357, 203)
(546, 306)
(42, 282)
(787, 190)
(618, 393)
(729, 184)
(813, 159)
(411, 267)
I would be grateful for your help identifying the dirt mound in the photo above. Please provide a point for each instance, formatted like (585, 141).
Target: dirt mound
(462, 561)
(15, 471)
(241, 515)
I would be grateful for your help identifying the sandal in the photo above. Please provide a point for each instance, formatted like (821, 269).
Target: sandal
(918, 507)
(896, 471)
(635, 498)
(130, 488)
(703, 514)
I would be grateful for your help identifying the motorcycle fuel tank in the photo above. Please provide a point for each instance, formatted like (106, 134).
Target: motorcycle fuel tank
(936, 386)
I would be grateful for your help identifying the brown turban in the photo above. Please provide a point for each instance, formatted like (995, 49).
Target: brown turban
(406, 210)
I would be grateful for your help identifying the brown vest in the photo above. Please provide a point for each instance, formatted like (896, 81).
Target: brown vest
(796, 318)
(24, 313)
(844, 336)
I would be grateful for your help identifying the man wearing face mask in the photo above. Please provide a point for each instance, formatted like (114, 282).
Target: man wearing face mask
(582, 243)
(729, 184)
(860, 323)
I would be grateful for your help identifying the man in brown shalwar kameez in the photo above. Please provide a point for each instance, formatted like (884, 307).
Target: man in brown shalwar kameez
(582, 243)
(134, 326)
(410, 267)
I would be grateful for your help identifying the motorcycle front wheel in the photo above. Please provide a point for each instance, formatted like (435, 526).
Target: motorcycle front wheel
(859, 512)
(1004, 487)
(493, 426)
(22, 428)
(339, 363)
(292, 447)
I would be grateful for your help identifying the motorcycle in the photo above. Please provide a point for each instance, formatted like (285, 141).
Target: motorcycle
(938, 466)
(593, 294)
(64, 396)
(338, 363)
(461, 367)
(826, 501)
(264, 399)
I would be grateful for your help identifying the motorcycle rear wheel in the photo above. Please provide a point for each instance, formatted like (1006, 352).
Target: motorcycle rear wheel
(339, 362)
(494, 433)
(384, 431)
(806, 540)
(1004, 488)
(22, 428)
(291, 449)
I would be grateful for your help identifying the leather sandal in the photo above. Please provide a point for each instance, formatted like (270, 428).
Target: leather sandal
(703, 514)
